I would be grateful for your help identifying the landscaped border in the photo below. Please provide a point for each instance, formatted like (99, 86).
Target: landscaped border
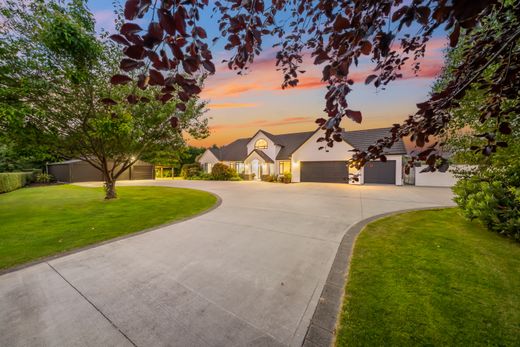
(322, 328)
(115, 239)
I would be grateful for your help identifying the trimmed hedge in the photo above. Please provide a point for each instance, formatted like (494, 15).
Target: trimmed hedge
(10, 181)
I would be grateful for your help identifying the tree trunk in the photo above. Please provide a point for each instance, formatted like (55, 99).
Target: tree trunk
(110, 188)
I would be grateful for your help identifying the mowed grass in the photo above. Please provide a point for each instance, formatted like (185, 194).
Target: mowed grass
(431, 278)
(38, 222)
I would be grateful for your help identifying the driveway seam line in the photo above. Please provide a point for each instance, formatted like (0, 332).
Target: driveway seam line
(227, 311)
(271, 230)
(327, 297)
(93, 305)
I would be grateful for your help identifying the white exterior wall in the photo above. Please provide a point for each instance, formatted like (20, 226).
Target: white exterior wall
(437, 179)
(309, 152)
(271, 147)
(208, 158)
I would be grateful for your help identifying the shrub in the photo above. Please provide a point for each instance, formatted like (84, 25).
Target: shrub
(190, 170)
(269, 178)
(222, 172)
(287, 177)
(247, 177)
(493, 197)
(10, 181)
(44, 178)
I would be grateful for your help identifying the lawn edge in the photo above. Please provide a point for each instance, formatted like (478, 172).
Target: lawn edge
(322, 327)
(119, 238)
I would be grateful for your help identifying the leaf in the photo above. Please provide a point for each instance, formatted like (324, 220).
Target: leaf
(130, 28)
(382, 158)
(142, 81)
(156, 77)
(365, 47)
(370, 78)
(108, 102)
(132, 99)
(505, 128)
(454, 36)
(201, 32)
(166, 21)
(119, 39)
(135, 52)
(155, 31)
(120, 79)
(131, 7)
(166, 97)
(341, 23)
(181, 106)
(320, 121)
(177, 51)
(354, 115)
(183, 96)
(209, 66)
(130, 64)
(174, 121)
(180, 24)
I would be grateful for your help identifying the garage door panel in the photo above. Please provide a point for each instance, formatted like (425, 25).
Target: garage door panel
(324, 171)
(380, 172)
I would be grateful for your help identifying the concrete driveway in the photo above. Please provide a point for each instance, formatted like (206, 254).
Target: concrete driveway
(248, 273)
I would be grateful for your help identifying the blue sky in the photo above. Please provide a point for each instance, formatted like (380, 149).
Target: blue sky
(240, 105)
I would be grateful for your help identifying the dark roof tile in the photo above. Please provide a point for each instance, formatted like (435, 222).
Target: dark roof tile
(361, 139)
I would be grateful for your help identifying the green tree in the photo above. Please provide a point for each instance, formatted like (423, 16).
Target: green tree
(489, 188)
(57, 78)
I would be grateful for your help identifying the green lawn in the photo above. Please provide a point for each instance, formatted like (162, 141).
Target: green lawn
(37, 222)
(431, 278)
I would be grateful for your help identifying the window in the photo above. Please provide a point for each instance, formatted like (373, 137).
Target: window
(285, 167)
(261, 144)
(238, 166)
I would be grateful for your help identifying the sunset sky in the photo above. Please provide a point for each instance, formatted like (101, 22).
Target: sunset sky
(240, 105)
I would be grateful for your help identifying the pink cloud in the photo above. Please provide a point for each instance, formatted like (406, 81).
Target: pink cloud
(263, 76)
(264, 123)
(232, 105)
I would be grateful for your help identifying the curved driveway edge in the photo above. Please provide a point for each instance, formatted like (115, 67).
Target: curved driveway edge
(249, 273)
(322, 328)
(118, 238)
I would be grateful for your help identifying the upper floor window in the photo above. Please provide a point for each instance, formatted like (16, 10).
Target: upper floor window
(261, 144)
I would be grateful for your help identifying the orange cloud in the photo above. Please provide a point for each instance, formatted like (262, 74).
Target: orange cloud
(232, 105)
(264, 123)
(263, 76)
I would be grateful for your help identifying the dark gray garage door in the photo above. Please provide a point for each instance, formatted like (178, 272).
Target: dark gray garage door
(324, 171)
(380, 172)
(142, 172)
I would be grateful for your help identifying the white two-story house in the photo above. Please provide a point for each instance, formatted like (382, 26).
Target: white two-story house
(299, 154)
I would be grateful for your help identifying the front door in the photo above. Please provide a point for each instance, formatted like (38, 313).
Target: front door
(255, 168)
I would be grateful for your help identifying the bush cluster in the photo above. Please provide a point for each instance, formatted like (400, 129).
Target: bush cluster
(285, 178)
(493, 197)
(222, 172)
(190, 170)
(43, 178)
(10, 181)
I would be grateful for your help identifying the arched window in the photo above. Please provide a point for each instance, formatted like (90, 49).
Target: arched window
(261, 144)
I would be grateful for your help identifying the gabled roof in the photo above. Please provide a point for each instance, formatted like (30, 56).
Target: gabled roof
(362, 139)
(268, 135)
(235, 151)
(262, 155)
(290, 142)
